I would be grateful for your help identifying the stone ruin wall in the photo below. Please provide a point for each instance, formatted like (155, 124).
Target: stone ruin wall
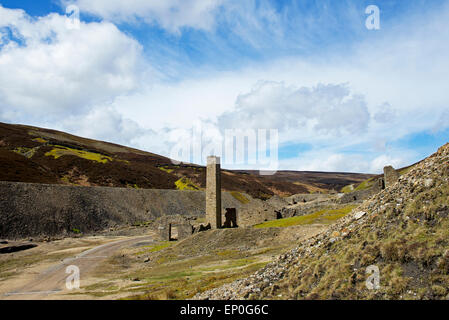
(33, 210)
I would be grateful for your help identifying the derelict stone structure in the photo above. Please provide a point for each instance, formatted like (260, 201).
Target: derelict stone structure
(35, 209)
(390, 176)
(167, 224)
(230, 218)
(213, 192)
(165, 232)
(363, 194)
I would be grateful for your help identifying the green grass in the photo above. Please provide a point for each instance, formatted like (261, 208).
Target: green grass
(40, 140)
(59, 151)
(362, 186)
(322, 216)
(26, 152)
(165, 169)
(156, 247)
(240, 197)
(365, 185)
(185, 184)
(348, 188)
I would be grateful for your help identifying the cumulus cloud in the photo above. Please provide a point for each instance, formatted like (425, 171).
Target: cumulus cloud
(169, 14)
(326, 109)
(336, 161)
(48, 70)
(385, 113)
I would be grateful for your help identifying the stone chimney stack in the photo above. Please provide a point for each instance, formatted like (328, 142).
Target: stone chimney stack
(213, 192)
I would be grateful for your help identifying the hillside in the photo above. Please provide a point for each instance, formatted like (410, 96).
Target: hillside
(403, 231)
(31, 154)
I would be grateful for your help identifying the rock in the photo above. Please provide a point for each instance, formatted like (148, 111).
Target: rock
(359, 215)
(428, 183)
(146, 260)
(335, 234)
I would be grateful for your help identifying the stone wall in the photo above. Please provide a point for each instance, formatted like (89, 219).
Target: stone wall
(30, 210)
(390, 176)
(362, 194)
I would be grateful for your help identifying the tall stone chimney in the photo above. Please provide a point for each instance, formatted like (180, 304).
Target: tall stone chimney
(213, 192)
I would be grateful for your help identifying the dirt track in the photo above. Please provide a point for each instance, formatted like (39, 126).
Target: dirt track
(52, 281)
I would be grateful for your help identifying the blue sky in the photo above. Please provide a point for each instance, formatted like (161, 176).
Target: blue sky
(144, 73)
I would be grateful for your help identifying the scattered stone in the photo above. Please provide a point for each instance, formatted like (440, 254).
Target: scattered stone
(359, 215)
(428, 183)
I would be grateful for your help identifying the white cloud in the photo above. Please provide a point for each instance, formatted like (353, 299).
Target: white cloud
(383, 160)
(334, 161)
(54, 72)
(169, 14)
(323, 109)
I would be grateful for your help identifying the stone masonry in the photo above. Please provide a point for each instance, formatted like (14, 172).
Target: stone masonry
(390, 176)
(213, 192)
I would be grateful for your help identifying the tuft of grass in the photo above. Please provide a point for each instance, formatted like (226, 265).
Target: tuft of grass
(156, 247)
(240, 197)
(365, 184)
(186, 184)
(40, 140)
(26, 152)
(59, 151)
(166, 169)
(347, 189)
(322, 216)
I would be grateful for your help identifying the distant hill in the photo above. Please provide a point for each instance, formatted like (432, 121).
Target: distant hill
(31, 154)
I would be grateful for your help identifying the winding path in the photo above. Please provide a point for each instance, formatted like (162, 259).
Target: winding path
(53, 280)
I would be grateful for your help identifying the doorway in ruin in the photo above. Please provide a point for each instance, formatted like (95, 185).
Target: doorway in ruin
(230, 218)
(172, 232)
(382, 184)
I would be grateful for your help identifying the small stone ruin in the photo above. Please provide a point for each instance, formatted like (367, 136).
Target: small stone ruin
(175, 227)
(390, 176)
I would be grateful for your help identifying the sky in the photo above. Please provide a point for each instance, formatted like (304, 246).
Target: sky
(169, 76)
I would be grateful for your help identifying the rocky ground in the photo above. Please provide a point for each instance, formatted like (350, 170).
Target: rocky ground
(403, 231)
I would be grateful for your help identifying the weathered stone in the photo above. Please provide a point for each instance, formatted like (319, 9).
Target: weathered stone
(165, 232)
(428, 183)
(213, 192)
(359, 215)
(390, 176)
(184, 230)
